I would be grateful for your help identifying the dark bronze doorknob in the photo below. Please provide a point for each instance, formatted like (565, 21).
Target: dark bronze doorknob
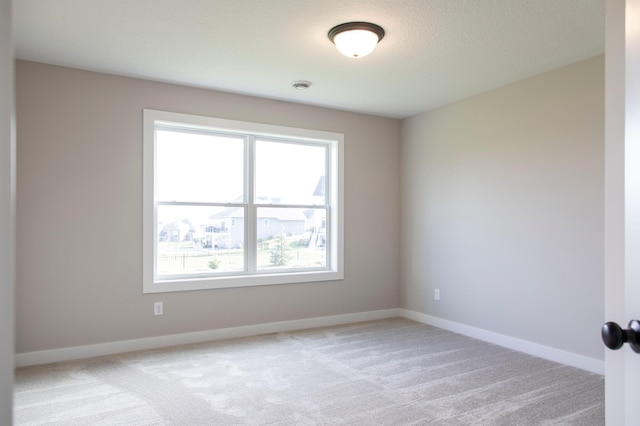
(614, 336)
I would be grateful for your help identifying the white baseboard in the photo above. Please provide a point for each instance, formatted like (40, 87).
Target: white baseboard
(101, 349)
(541, 351)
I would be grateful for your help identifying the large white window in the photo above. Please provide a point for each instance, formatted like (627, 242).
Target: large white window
(231, 204)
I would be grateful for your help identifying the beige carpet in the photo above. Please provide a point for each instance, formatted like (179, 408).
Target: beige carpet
(389, 372)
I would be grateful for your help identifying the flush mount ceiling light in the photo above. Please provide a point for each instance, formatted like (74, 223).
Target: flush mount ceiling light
(356, 39)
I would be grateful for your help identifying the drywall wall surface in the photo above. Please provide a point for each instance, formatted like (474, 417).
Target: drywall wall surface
(7, 207)
(503, 209)
(79, 225)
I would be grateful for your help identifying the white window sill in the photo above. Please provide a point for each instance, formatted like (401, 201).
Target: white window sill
(240, 281)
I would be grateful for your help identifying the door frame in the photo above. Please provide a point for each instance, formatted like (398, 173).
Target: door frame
(622, 202)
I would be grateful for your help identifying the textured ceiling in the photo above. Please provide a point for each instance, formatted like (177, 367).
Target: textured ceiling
(434, 51)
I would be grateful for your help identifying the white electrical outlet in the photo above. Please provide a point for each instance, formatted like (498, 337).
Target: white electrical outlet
(436, 294)
(158, 308)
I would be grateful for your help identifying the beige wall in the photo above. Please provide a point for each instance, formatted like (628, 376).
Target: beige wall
(7, 205)
(79, 227)
(503, 209)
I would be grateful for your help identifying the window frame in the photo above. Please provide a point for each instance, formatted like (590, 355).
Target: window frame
(335, 203)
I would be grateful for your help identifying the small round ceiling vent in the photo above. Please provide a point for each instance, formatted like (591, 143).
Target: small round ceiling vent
(301, 84)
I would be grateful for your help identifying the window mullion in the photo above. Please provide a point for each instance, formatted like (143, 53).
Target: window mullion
(328, 202)
(250, 209)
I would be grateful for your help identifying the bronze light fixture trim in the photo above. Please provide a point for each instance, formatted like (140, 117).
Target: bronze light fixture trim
(356, 39)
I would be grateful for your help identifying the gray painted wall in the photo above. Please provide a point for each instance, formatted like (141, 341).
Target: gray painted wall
(7, 205)
(503, 209)
(79, 224)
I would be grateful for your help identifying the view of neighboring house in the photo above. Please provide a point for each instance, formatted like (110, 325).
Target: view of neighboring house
(175, 231)
(225, 230)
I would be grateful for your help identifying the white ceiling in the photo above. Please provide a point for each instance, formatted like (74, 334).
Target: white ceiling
(434, 52)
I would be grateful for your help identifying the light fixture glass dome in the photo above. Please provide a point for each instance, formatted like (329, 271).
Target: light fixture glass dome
(356, 39)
